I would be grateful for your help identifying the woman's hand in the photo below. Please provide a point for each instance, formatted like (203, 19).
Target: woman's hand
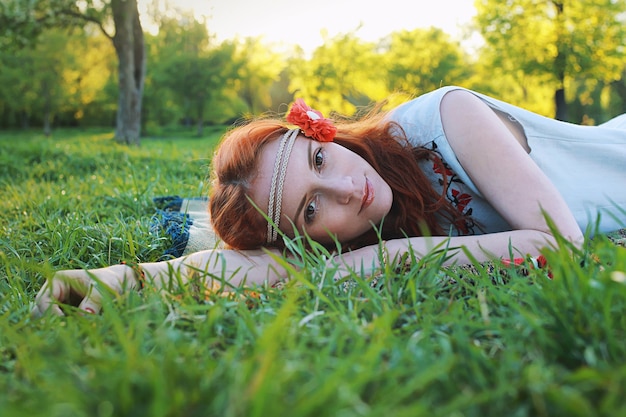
(81, 288)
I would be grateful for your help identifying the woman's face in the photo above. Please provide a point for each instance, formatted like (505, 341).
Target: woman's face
(329, 190)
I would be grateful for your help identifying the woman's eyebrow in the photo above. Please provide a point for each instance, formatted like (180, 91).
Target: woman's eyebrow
(303, 201)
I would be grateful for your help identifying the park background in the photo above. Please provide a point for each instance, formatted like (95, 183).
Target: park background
(70, 64)
(76, 192)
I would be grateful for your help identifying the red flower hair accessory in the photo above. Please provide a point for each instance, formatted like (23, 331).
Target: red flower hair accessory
(311, 122)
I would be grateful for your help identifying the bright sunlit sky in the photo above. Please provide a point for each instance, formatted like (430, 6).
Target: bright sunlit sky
(285, 22)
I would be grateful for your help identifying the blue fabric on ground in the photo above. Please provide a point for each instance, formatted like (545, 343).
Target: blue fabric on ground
(170, 221)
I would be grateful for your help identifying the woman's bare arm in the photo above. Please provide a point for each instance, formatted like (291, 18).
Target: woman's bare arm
(508, 178)
(501, 168)
(458, 250)
(222, 267)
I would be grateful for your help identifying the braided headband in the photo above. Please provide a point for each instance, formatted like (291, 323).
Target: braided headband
(278, 182)
(311, 124)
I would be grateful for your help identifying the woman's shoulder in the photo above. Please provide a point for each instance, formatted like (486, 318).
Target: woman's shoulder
(426, 104)
(433, 95)
(420, 117)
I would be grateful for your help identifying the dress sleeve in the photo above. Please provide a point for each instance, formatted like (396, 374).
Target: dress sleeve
(420, 119)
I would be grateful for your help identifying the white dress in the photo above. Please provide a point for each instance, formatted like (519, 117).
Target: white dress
(587, 164)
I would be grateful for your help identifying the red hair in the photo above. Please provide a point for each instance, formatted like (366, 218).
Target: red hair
(416, 209)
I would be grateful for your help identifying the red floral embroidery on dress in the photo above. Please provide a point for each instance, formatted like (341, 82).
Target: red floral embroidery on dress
(460, 200)
(529, 262)
(442, 168)
(455, 196)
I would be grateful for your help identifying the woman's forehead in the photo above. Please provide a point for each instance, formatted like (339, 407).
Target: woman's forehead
(261, 183)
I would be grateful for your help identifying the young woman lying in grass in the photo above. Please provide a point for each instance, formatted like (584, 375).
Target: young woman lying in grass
(450, 168)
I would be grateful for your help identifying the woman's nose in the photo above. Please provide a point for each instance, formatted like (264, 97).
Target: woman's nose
(342, 189)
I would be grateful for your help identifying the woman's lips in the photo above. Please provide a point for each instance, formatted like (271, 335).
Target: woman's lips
(368, 195)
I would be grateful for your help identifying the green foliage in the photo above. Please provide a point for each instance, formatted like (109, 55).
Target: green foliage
(23, 21)
(196, 75)
(340, 76)
(60, 72)
(260, 70)
(39, 93)
(533, 49)
(198, 82)
(415, 70)
(557, 41)
(418, 342)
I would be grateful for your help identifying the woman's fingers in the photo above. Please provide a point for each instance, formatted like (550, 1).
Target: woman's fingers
(92, 301)
(80, 288)
(52, 292)
(73, 287)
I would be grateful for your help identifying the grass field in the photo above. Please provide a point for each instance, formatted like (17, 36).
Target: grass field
(422, 342)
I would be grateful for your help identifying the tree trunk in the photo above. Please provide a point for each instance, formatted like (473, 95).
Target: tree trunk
(200, 124)
(188, 123)
(24, 119)
(619, 87)
(129, 46)
(47, 109)
(560, 63)
(47, 125)
(561, 105)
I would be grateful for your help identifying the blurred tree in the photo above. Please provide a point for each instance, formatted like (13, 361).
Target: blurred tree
(16, 92)
(33, 79)
(422, 60)
(198, 81)
(180, 36)
(260, 69)
(22, 21)
(530, 91)
(50, 60)
(159, 108)
(279, 91)
(91, 83)
(556, 39)
(343, 74)
(196, 74)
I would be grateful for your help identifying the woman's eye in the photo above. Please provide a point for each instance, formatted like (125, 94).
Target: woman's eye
(309, 211)
(319, 158)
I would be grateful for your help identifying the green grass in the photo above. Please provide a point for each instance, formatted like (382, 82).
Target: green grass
(422, 342)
